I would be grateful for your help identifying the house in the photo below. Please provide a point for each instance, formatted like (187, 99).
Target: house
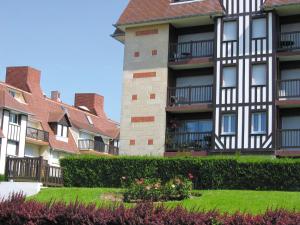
(33, 125)
(210, 76)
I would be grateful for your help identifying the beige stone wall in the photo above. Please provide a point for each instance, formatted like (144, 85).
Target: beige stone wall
(139, 58)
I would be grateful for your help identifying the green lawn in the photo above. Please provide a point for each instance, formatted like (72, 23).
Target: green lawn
(226, 201)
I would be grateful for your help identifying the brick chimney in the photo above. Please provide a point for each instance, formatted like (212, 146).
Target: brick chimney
(94, 102)
(55, 95)
(25, 78)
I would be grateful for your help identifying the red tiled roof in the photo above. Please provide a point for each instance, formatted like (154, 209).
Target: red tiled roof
(140, 11)
(270, 3)
(46, 110)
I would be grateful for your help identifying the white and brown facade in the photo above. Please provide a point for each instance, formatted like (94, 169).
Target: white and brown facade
(33, 125)
(210, 76)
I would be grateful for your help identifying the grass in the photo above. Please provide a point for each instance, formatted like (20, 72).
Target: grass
(228, 201)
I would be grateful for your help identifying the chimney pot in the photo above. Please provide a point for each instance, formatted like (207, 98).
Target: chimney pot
(55, 95)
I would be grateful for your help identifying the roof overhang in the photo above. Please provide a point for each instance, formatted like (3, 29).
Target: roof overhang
(284, 9)
(178, 22)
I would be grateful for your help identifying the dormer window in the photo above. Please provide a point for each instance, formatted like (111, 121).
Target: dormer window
(62, 131)
(12, 93)
(183, 1)
(89, 119)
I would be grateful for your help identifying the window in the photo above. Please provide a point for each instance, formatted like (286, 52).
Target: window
(14, 118)
(62, 131)
(12, 93)
(259, 123)
(12, 148)
(230, 31)
(229, 77)
(89, 119)
(259, 28)
(194, 126)
(228, 124)
(259, 73)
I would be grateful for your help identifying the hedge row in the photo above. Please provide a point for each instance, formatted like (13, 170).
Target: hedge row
(2, 177)
(208, 173)
(17, 211)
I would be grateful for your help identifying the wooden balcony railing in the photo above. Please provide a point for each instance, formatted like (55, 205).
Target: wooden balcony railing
(193, 49)
(188, 141)
(289, 41)
(288, 138)
(190, 95)
(37, 134)
(87, 144)
(289, 88)
(33, 169)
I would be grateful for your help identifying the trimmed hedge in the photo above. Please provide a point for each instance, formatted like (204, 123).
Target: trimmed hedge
(17, 211)
(2, 177)
(208, 173)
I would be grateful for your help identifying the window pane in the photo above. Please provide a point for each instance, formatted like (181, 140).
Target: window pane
(65, 131)
(259, 28)
(259, 73)
(259, 122)
(230, 31)
(205, 126)
(232, 130)
(255, 122)
(264, 122)
(59, 130)
(229, 76)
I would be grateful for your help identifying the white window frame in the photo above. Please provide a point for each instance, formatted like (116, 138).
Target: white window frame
(62, 131)
(232, 130)
(17, 117)
(260, 124)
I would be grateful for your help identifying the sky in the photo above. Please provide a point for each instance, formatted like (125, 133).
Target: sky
(69, 42)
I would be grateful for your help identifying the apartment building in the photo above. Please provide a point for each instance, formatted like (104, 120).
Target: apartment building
(33, 125)
(210, 76)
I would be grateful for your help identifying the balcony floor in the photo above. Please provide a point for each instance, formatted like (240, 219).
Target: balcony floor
(191, 63)
(205, 107)
(288, 103)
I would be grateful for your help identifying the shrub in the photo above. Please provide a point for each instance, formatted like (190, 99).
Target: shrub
(155, 190)
(17, 211)
(2, 177)
(208, 173)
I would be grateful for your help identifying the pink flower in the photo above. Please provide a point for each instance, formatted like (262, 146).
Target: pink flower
(190, 175)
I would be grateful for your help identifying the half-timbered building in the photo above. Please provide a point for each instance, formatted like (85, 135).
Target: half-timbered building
(210, 76)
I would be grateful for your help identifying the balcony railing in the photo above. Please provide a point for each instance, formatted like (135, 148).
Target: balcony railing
(289, 138)
(289, 88)
(289, 41)
(193, 49)
(188, 141)
(37, 134)
(87, 144)
(189, 95)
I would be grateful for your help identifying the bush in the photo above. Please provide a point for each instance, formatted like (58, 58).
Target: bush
(154, 190)
(208, 173)
(2, 178)
(17, 211)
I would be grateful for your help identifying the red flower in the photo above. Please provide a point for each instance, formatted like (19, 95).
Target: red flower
(190, 176)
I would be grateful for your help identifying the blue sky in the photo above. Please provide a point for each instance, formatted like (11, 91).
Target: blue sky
(69, 41)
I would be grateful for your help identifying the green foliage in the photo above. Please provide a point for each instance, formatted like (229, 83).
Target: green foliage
(255, 173)
(2, 177)
(154, 190)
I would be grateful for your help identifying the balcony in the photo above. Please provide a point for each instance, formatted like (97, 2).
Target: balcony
(37, 134)
(289, 41)
(193, 52)
(188, 141)
(289, 88)
(289, 139)
(187, 97)
(87, 145)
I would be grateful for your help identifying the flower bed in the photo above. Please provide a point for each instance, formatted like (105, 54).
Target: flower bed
(156, 191)
(17, 211)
